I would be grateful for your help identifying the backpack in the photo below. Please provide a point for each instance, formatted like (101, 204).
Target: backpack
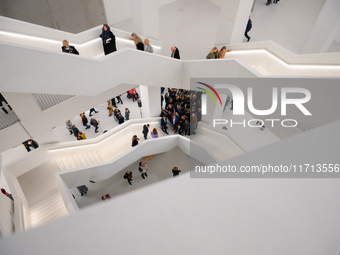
(125, 176)
(140, 169)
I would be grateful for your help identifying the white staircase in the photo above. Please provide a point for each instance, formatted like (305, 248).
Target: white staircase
(78, 160)
(220, 145)
(50, 209)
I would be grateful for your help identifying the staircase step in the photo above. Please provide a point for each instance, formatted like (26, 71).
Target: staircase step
(53, 215)
(96, 157)
(53, 194)
(91, 158)
(86, 159)
(82, 160)
(60, 164)
(76, 160)
(71, 161)
(66, 163)
(45, 206)
(46, 211)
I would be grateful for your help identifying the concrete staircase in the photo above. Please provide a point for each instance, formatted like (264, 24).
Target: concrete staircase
(49, 209)
(78, 160)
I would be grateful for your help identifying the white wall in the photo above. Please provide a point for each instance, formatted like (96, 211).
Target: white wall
(6, 223)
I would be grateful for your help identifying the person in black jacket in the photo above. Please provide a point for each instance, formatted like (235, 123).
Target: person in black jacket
(175, 52)
(249, 26)
(128, 176)
(146, 131)
(120, 119)
(75, 131)
(134, 141)
(175, 171)
(33, 143)
(164, 123)
(68, 48)
(84, 120)
(109, 40)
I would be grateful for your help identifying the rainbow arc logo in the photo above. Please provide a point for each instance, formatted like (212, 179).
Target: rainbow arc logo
(209, 93)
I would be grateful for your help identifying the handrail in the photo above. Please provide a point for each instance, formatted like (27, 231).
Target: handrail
(98, 139)
(87, 42)
(285, 55)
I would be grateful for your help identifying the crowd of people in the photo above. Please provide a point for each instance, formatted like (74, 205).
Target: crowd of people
(116, 113)
(182, 111)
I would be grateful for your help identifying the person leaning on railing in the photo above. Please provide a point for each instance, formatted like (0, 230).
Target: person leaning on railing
(213, 53)
(138, 41)
(68, 48)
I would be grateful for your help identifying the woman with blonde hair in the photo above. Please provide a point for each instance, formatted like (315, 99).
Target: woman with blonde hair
(154, 133)
(109, 108)
(138, 41)
(147, 46)
(213, 53)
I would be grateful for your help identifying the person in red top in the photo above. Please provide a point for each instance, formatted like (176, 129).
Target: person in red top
(7, 194)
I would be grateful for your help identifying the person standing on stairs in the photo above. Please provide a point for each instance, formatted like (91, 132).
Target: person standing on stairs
(146, 131)
(95, 123)
(119, 99)
(84, 120)
(175, 171)
(92, 110)
(127, 113)
(109, 40)
(143, 169)
(175, 52)
(75, 131)
(109, 107)
(7, 194)
(69, 126)
(249, 26)
(128, 176)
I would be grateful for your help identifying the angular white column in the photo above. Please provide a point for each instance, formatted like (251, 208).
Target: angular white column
(117, 10)
(145, 17)
(325, 29)
(232, 21)
(151, 101)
